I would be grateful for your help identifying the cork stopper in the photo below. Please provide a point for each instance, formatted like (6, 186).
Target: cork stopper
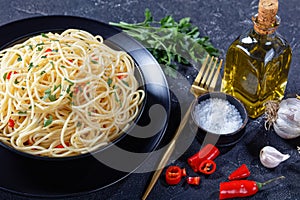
(265, 22)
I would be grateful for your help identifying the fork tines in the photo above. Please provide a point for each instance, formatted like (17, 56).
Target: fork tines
(208, 74)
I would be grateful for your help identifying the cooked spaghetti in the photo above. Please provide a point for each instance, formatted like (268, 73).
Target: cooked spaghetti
(65, 94)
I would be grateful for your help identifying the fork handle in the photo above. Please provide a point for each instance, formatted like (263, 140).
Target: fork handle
(167, 154)
(160, 167)
(182, 123)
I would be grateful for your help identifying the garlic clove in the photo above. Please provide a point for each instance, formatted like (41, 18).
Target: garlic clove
(271, 157)
(286, 120)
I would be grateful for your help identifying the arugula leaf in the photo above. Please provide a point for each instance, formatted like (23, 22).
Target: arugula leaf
(169, 41)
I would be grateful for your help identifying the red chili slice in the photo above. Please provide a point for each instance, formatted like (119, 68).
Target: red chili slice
(193, 180)
(174, 174)
(208, 152)
(207, 167)
(240, 173)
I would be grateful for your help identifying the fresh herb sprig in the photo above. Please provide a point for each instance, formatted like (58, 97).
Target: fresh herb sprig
(170, 42)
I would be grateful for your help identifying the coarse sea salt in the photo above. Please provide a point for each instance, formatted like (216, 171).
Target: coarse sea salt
(218, 116)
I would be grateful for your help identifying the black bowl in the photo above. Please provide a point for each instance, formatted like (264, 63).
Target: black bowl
(221, 140)
(32, 175)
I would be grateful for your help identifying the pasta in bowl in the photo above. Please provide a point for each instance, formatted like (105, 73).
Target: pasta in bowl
(66, 94)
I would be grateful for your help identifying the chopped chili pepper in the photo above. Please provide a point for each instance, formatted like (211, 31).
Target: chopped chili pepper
(240, 173)
(11, 123)
(9, 75)
(62, 146)
(174, 174)
(193, 180)
(183, 172)
(121, 76)
(208, 152)
(48, 50)
(207, 167)
(241, 188)
(59, 146)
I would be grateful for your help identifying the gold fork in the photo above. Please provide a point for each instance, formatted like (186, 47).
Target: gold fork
(205, 81)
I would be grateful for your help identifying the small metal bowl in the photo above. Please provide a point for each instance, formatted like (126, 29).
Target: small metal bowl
(224, 139)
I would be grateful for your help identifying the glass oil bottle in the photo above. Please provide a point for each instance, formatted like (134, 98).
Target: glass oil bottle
(257, 62)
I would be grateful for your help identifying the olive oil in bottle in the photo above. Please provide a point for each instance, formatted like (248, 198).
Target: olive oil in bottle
(257, 62)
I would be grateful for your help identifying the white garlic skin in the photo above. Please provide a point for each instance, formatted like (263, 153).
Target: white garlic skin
(271, 157)
(287, 125)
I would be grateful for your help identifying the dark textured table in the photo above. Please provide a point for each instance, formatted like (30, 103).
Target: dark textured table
(222, 21)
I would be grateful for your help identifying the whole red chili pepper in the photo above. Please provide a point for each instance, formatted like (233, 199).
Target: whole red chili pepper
(174, 174)
(240, 173)
(241, 188)
(207, 167)
(208, 152)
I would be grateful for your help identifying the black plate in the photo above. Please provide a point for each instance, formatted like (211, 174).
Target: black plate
(35, 176)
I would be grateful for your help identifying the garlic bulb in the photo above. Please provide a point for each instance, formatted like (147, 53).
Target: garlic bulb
(284, 117)
(271, 157)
